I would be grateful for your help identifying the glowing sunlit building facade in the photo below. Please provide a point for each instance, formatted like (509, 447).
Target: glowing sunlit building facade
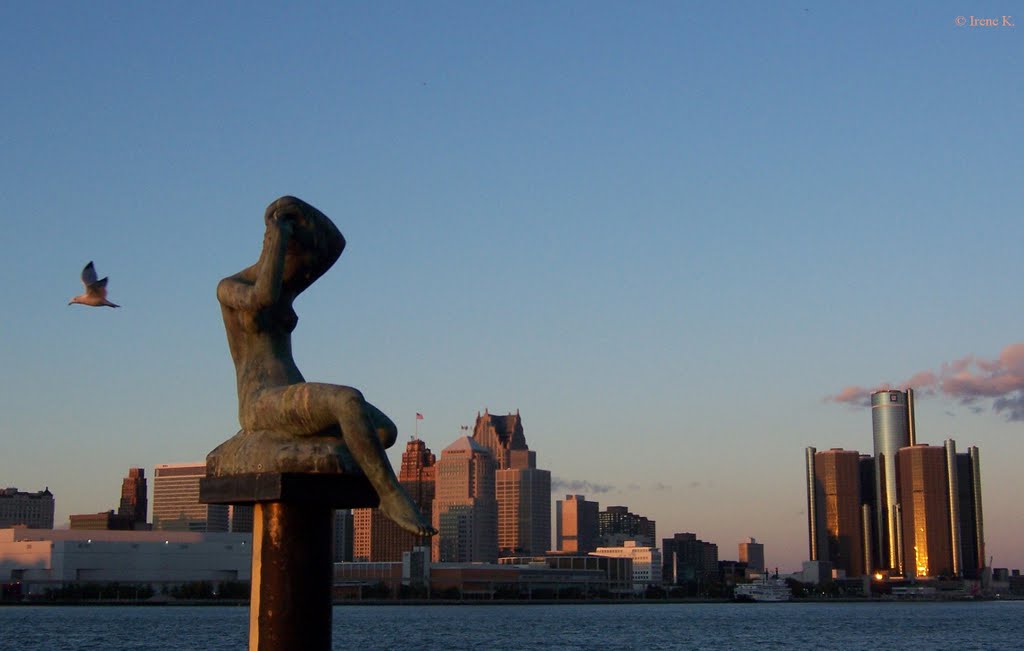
(912, 510)
(576, 529)
(941, 520)
(465, 511)
(176, 505)
(924, 524)
(376, 538)
(522, 490)
(836, 509)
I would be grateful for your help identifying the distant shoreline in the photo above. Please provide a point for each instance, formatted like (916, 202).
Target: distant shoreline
(503, 602)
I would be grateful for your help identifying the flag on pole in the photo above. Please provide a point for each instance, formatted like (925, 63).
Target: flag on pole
(419, 416)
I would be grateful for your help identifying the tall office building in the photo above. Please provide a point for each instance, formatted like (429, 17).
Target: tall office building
(922, 515)
(376, 538)
(752, 553)
(176, 503)
(522, 490)
(968, 501)
(892, 425)
(940, 503)
(925, 527)
(465, 511)
(134, 505)
(576, 528)
(834, 509)
(34, 510)
(616, 524)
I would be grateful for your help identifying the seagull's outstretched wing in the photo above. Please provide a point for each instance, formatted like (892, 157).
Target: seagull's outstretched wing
(89, 275)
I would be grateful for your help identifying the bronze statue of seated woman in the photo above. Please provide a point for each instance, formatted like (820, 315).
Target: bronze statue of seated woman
(289, 424)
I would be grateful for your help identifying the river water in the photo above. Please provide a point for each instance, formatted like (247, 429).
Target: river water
(927, 626)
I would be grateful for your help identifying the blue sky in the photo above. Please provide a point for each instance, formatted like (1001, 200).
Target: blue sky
(667, 233)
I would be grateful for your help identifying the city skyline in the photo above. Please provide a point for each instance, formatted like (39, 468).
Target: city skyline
(680, 238)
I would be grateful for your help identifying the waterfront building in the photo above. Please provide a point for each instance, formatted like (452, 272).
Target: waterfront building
(647, 562)
(522, 490)
(576, 525)
(752, 555)
(134, 506)
(376, 537)
(835, 509)
(43, 559)
(686, 558)
(465, 511)
(33, 510)
(176, 505)
(892, 426)
(519, 577)
(616, 524)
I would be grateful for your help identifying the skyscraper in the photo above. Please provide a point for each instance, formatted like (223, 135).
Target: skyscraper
(968, 498)
(500, 435)
(835, 509)
(925, 527)
(465, 511)
(176, 503)
(522, 491)
(376, 537)
(576, 527)
(924, 515)
(892, 425)
(134, 504)
(752, 553)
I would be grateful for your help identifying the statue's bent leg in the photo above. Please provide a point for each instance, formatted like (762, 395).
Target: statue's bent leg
(310, 407)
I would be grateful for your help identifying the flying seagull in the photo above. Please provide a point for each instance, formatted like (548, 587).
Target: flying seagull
(95, 290)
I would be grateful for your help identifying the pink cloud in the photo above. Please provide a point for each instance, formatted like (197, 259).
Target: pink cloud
(968, 380)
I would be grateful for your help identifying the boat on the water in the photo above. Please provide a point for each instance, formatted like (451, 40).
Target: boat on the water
(764, 590)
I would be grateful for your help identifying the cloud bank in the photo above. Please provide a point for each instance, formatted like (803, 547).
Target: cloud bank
(969, 380)
(579, 487)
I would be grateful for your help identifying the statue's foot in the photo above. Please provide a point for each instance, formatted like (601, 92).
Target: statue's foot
(402, 511)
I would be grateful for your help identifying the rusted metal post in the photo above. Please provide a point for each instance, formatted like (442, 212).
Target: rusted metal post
(290, 606)
(292, 565)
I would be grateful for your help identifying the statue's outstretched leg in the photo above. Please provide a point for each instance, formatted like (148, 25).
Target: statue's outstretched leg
(309, 407)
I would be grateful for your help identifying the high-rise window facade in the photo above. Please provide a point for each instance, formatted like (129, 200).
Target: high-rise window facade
(176, 503)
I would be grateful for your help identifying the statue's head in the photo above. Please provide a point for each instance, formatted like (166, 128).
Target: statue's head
(314, 245)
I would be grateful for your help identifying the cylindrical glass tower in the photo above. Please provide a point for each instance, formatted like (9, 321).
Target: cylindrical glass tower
(890, 425)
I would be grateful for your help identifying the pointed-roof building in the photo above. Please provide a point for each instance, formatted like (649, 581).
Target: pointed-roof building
(522, 491)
